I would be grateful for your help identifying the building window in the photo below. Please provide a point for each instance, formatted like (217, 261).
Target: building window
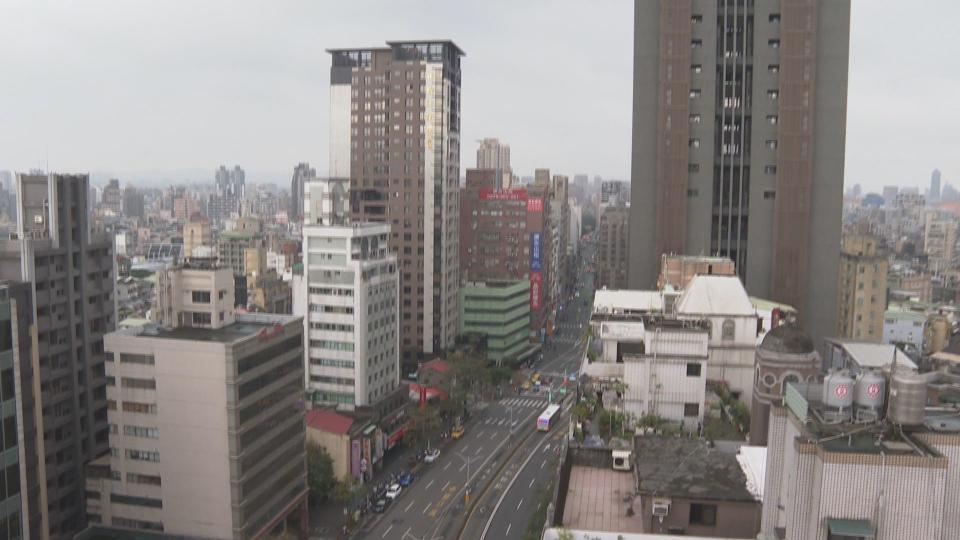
(143, 455)
(774, 43)
(773, 68)
(200, 319)
(770, 169)
(693, 167)
(142, 384)
(696, 68)
(774, 17)
(200, 297)
(773, 94)
(772, 119)
(691, 410)
(694, 93)
(771, 144)
(703, 514)
(728, 330)
(696, 19)
(694, 143)
(693, 192)
(695, 118)
(769, 195)
(696, 43)
(693, 369)
(145, 359)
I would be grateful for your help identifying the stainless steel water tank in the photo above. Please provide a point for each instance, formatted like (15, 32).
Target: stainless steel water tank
(908, 398)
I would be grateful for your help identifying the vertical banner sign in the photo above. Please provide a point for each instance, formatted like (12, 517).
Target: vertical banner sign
(536, 285)
(535, 205)
(355, 457)
(536, 252)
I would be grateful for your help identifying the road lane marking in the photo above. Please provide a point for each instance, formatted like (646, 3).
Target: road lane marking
(410, 528)
(430, 484)
(427, 508)
(386, 532)
(444, 488)
(464, 449)
(480, 434)
(477, 452)
(519, 504)
(494, 435)
(407, 509)
(532, 480)
(508, 529)
(462, 467)
(447, 466)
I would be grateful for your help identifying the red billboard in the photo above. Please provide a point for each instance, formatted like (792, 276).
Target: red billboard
(536, 290)
(535, 205)
(490, 194)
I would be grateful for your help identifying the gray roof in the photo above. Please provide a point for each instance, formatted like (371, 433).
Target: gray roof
(787, 339)
(689, 468)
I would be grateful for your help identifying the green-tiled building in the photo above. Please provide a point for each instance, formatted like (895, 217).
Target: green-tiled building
(500, 311)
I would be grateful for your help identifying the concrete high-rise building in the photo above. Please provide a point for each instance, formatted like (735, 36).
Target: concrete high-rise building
(207, 436)
(132, 202)
(935, 185)
(890, 194)
(492, 154)
(23, 508)
(71, 272)
(229, 189)
(612, 247)
(348, 298)
(302, 173)
(395, 133)
(326, 201)
(939, 240)
(862, 295)
(197, 233)
(739, 123)
(112, 197)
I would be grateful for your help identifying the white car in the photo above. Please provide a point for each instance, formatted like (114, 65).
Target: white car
(431, 456)
(393, 491)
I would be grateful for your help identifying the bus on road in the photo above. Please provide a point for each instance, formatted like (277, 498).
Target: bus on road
(545, 420)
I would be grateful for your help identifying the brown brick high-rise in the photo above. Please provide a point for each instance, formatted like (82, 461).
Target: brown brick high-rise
(395, 133)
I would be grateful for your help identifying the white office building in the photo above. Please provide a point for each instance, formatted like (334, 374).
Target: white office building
(347, 296)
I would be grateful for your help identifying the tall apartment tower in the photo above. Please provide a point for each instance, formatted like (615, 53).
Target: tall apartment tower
(862, 295)
(492, 154)
(302, 173)
(612, 247)
(935, 185)
(395, 133)
(739, 122)
(71, 273)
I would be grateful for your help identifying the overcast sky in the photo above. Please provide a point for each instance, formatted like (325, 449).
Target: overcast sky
(172, 89)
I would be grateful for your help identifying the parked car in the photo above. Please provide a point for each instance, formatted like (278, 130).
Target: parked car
(393, 491)
(406, 479)
(457, 432)
(380, 505)
(431, 455)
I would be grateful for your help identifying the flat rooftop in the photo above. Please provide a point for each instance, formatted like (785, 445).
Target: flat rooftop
(597, 500)
(690, 468)
(245, 327)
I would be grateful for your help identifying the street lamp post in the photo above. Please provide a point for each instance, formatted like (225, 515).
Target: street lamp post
(466, 485)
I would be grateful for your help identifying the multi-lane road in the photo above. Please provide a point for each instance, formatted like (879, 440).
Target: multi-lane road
(504, 464)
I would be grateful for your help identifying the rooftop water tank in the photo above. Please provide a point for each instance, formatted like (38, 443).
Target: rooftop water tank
(908, 398)
(868, 396)
(838, 396)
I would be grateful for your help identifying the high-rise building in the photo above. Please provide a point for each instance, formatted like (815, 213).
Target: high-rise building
(739, 119)
(326, 201)
(890, 194)
(348, 298)
(939, 240)
(229, 188)
(504, 238)
(303, 172)
(492, 154)
(612, 247)
(207, 436)
(112, 197)
(395, 133)
(196, 233)
(862, 297)
(72, 274)
(23, 509)
(132, 202)
(935, 185)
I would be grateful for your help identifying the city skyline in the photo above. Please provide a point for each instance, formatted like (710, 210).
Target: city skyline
(177, 120)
